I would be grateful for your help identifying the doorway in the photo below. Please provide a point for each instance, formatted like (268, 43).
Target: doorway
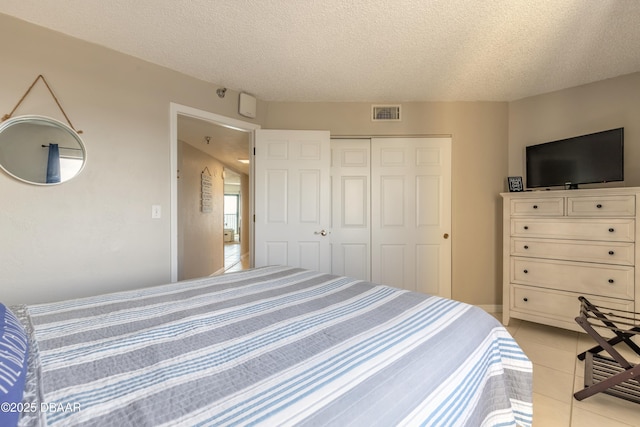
(182, 117)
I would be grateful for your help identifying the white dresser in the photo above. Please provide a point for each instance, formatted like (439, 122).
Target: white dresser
(558, 245)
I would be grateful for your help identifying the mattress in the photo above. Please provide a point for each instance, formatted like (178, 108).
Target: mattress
(271, 346)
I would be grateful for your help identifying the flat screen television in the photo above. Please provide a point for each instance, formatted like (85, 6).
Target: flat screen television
(587, 159)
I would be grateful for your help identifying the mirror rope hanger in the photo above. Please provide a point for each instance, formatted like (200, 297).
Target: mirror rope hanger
(40, 76)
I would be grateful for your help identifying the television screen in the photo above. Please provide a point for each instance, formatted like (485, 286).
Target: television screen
(586, 159)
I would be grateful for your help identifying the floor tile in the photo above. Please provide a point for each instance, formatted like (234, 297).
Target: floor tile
(583, 418)
(548, 412)
(557, 374)
(553, 337)
(552, 383)
(233, 258)
(540, 354)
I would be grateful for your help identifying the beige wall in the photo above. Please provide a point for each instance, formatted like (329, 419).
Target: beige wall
(603, 105)
(479, 168)
(200, 243)
(95, 233)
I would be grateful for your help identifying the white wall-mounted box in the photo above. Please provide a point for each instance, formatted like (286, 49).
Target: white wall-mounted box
(247, 105)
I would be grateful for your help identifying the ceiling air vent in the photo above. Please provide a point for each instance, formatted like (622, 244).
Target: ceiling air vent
(385, 113)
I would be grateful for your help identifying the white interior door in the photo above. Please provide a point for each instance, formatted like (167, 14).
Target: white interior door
(411, 214)
(292, 199)
(351, 201)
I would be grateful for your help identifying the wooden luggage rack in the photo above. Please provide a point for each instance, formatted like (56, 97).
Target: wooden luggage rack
(613, 375)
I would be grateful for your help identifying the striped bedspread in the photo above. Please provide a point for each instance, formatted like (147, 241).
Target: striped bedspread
(274, 346)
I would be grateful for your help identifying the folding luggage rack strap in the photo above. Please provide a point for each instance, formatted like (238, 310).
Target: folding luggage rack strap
(616, 375)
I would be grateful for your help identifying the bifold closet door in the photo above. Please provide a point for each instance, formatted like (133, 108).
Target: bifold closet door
(411, 213)
(351, 201)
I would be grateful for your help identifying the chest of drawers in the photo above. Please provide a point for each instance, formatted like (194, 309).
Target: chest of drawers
(558, 245)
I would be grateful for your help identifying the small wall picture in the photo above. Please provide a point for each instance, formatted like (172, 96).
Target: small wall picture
(515, 183)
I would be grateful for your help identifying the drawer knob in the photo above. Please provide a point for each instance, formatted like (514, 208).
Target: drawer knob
(526, 246)
(535, 206)
(611, 280)
(599, 206)
(526, 271)
(526, 227)
(611, 230)
(525, 299)
(611, 253)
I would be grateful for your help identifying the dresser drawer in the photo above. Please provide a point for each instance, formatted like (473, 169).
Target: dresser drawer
(614, 229)
(599, 206)
(597, 279)
(574, 250)
(558, 305)
(553, 206)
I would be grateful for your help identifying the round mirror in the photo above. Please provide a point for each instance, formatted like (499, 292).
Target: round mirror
(40, 150)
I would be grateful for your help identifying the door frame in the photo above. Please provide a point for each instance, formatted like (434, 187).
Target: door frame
(174, 111)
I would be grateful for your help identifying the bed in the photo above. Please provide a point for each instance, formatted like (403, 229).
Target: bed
(268, 346)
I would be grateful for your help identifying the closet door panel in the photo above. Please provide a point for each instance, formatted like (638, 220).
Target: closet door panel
(428, 188)
(392, 201)
(351, 200)
(393, 266)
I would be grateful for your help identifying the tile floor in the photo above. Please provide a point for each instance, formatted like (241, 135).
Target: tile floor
(557, 374)
(233, 260)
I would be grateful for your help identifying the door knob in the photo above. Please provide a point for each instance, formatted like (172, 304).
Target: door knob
(446, 235)
(321, 232)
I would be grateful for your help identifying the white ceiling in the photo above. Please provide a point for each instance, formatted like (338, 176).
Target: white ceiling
(363, 50)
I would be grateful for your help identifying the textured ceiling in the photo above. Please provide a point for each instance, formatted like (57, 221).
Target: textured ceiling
(363, 50)
(225, 144)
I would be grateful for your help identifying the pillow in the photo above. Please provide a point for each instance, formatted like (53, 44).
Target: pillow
(13, 366)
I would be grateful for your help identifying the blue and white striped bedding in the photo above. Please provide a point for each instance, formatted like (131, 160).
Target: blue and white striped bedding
(273, 346)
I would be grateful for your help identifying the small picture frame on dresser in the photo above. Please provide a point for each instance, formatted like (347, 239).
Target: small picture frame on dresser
(515, 184)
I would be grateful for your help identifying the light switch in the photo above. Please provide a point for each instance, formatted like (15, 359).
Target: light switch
(156, 211)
